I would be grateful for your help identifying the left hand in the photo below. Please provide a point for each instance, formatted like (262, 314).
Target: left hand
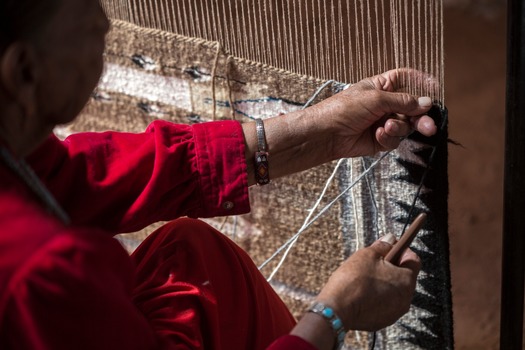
(366, 292)
(369, 293)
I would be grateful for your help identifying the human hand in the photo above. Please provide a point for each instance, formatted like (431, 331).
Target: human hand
(370, 116)
(367, 292)
(374, 114)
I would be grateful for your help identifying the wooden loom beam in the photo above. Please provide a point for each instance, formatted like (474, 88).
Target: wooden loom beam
(513, 257)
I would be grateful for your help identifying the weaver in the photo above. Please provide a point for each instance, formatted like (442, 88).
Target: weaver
(193, 61)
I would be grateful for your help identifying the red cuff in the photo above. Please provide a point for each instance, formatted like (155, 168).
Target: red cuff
(221, 163)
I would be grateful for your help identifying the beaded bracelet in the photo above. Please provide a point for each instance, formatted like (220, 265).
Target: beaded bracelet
(335, 322)
(262, 174)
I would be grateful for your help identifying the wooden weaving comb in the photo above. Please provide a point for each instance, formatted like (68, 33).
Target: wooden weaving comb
(394, 255)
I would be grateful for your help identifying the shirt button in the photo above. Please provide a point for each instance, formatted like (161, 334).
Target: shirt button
(228, 205)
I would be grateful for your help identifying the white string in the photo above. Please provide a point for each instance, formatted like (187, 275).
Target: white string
(327, 185)
(354, 196)
(311, 212)
(314, 96)
(325, 209)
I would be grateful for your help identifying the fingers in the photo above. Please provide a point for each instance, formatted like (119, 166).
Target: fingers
(383, 245)
(389, 136)
(398, 127)
(424, 124)
(410, 117)
(385, 140)
(402, 103)
(399, 79)
(394, 101)
(411, 261)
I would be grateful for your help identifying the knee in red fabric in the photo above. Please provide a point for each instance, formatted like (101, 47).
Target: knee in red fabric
(188, 268)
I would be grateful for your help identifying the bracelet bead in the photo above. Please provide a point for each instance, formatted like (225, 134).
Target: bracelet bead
(333, 320)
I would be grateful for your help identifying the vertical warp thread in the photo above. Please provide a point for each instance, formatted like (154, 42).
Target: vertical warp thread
(229, 64)
(214, 79)
(229, 61)
(325, 39)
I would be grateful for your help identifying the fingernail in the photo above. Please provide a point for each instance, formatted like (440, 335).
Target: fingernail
(392, 127)
(424, 101)
(428, 125)
(389, 238)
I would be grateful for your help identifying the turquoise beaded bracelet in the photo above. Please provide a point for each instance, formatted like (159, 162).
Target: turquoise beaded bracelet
(335, 322)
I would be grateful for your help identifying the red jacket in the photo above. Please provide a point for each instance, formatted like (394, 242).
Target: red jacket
(71, 287)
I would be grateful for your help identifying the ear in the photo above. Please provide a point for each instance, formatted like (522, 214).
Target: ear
(19, 75)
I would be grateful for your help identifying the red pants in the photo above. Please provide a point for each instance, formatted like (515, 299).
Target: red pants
(198, 288)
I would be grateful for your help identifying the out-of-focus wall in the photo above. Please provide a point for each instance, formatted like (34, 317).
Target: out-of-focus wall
(475, 49)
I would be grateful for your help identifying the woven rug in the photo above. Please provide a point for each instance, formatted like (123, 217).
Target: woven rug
(151, 74)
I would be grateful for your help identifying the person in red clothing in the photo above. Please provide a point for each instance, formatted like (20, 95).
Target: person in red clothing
(67, 284)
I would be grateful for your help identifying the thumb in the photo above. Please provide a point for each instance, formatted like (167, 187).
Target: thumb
(403, 103)
(383, 245)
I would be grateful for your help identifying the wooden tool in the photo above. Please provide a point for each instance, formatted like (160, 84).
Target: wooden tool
(394, 255)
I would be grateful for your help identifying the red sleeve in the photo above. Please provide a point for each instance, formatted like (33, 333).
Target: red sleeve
(122, 182)
(288, 342)
(74, 294)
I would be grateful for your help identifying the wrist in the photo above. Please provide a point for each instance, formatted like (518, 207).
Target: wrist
(295, 141)
(308, 138)
(316, 331)
(332, 319)
(322, 327)
(342, 305)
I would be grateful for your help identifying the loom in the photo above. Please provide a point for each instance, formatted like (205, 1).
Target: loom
(193, 61)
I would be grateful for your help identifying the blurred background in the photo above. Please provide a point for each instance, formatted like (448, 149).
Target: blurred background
(475, 82)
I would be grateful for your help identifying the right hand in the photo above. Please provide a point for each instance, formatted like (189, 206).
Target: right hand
(374, 114)
(369, 293)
